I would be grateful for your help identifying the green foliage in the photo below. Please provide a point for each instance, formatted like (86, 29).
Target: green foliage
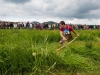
(33, 52)
(76, 62)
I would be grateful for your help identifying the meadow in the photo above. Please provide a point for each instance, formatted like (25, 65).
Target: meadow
(33, 52)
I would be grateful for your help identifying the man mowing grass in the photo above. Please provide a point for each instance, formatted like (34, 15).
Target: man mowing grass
(65, 33)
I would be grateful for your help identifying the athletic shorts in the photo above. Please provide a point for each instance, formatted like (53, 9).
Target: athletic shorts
(68, 36)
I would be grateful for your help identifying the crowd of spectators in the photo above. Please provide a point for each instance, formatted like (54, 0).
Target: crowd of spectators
(41, 26)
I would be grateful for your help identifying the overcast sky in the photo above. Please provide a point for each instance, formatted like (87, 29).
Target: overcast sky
(71, 11)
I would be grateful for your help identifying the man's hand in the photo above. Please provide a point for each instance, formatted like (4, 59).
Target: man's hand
(77, 35)
(64, 39)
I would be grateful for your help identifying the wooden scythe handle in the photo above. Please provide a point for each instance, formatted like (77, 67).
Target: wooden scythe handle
(72, 40)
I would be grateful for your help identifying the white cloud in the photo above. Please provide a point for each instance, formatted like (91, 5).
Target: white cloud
(71, 11)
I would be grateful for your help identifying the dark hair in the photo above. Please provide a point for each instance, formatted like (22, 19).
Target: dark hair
(62, 22)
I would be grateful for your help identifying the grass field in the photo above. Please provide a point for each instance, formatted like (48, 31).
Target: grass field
(33, 52)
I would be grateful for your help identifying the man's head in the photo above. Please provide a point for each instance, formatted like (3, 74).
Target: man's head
(62, 24)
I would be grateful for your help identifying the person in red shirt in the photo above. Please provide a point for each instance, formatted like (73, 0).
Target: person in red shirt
(65, 32)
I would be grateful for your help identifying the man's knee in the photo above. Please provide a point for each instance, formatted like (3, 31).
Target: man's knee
(61, 42)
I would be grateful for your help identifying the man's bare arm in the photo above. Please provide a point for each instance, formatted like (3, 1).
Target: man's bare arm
(61, 34)
(75, 33)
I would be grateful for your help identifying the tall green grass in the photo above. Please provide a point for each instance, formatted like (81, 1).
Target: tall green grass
(33, 52)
